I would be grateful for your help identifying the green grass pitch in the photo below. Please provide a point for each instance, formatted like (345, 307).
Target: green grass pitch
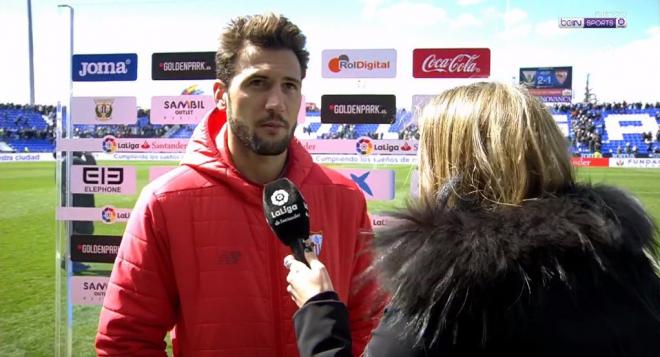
(27, 246)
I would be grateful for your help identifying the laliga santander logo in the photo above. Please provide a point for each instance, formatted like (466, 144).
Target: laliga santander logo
(109, 144)
(364, 146)
(109, 215)
(279, 197)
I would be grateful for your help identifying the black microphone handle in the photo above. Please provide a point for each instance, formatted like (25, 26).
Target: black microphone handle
(299, 251)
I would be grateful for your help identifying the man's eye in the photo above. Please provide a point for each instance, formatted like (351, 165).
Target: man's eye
(257, 83)
(291, 86)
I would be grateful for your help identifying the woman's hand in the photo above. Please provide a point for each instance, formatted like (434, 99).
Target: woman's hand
(304, 282)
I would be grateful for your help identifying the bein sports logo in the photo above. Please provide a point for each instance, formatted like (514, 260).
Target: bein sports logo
(109, 215)
(279, 197)
(364, 146)
(109, 144)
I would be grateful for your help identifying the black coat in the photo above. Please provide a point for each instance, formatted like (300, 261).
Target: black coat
(567, 275)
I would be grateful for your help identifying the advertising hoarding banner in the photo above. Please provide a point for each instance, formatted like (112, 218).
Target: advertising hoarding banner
(104, 110)
(356, 63)
(103, 179)
(451, 63)
(183, 65)
(104, 67)
(358, 109)
(183, 109)
(94, 248)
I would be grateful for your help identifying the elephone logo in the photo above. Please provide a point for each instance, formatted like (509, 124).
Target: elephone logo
(104, 67)
(279, 197)
(103, 179)
(183, 65)
(103, 109)
(109, 144)
(364, 146)
(103, 175)
(368, 63)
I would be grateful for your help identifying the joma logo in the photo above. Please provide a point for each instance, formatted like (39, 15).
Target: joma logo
(104, 68)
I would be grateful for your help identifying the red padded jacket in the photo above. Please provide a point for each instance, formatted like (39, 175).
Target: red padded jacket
(198, 257)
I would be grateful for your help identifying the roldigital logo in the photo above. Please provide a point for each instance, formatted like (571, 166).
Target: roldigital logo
(451, 63)
(343, 62)
(365, 63)
(183, 65)
(358, 109)
(104, 67)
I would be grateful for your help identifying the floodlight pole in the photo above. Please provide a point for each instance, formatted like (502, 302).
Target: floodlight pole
(30, 51)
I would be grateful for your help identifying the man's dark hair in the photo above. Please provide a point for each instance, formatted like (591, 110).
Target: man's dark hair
(266, 31)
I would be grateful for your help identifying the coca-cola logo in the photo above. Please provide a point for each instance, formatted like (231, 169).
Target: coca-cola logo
(460, 63)
(451, 63)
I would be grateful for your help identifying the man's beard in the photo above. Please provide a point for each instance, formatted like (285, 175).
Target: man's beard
(255, 143)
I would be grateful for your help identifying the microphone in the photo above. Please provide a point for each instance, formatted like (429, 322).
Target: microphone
(287, 215)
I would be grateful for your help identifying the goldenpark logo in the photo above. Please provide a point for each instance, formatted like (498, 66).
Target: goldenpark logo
(104, 67)
(183, 65)
(367, 63)
(358, 109)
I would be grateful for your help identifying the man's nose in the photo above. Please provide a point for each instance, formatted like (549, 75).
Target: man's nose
(275, 100)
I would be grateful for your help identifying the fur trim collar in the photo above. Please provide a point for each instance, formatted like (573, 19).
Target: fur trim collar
(438, 262)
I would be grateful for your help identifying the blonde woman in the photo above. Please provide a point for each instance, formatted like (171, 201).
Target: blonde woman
(503, 254)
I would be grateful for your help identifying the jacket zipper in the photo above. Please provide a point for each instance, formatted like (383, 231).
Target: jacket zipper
(276, 297)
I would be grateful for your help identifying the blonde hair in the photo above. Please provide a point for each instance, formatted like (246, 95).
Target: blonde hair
(493, 142)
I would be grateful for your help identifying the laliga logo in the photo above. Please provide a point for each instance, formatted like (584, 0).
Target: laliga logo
(279, 197)
(364, 146)
(109, 144)
(109, 215)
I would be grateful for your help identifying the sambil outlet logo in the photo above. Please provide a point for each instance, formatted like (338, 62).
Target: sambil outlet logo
(109, 144)
(105, 67)
(364, 146)
(343, 62)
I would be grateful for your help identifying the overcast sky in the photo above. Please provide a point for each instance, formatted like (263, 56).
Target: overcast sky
(623, 63)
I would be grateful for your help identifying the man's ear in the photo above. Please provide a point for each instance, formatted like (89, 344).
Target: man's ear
(219, 92)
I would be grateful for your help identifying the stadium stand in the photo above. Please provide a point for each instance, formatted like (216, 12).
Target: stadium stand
(605, 129)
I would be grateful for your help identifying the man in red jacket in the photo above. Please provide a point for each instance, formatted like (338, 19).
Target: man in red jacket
(198, 256)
